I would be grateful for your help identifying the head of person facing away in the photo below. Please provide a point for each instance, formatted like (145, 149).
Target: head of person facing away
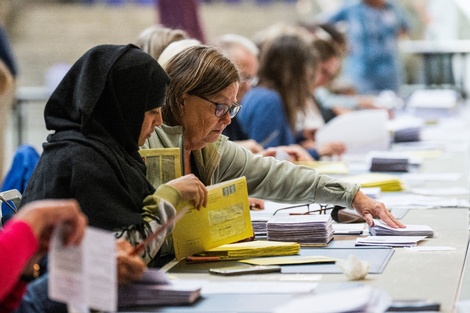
(154, 39)
(106, 94)
(288, 66)
(201, 95)
(329, 62)
(107, 104)
(244, 53)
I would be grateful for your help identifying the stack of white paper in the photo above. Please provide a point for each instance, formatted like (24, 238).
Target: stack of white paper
(356, 299)
(389, 241)
(258, 221)
(382, 229)
(304, 229)
(433, 103)
(156, 289)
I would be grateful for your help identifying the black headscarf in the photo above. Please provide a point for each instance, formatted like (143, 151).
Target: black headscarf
(97, 112)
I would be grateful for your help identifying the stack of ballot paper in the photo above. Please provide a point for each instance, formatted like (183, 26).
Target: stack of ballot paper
(306, 229)
(353, 299)
(389, 241)
(433, 103)
(386, 182)
(156, 289)
(389, 165)
(259, 220)
(251, 249)
(382, 229)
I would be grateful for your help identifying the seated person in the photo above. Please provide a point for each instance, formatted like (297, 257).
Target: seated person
(103, 109)
(271, 109)
(25, 239)
(201, 103)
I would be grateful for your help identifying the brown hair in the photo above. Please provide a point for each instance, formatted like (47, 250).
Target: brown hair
(325, 50)
(198, 70)
(284, 65)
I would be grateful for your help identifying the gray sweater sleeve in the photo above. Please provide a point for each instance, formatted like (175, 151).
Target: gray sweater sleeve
(281, 181)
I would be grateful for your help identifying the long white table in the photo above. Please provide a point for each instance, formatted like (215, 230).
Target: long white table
(440, 275)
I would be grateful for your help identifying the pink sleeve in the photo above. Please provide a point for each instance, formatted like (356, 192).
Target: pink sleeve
(17, 245)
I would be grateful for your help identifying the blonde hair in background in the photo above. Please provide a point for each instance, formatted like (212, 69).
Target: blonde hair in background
(154, 39)
(7, 97)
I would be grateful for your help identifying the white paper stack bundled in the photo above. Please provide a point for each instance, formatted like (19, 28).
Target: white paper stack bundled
(381, 229)
(156, 289)
(258, 221)
(316, 229)
(431, 104)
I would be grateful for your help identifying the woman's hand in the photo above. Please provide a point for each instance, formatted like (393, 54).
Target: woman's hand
(332, 148)
(44, 215)
(192, 189)
(295, 152)
(256, 204)
(129, 267)
(368, 208)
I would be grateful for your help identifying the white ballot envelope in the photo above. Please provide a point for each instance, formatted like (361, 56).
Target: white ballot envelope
(361, 131)
(84, 275)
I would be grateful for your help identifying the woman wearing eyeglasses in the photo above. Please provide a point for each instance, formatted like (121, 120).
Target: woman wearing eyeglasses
(200, 103)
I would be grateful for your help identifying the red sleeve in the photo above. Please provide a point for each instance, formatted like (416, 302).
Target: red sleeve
(13, 298)
(17, 245)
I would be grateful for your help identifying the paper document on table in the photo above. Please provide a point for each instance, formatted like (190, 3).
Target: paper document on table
(348, 229)
(361, 131)
(251, 249)
(443, 191)
(226, 219)
(327, 167)
(290, 260)
(162, 164)
(355, 299)
(387, 182)
(382, 229)
(389, 241)
(413, 201)
(256, 287)
(155, 288)
(84, 274)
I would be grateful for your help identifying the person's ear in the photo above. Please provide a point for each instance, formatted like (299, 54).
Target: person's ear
(184, 99)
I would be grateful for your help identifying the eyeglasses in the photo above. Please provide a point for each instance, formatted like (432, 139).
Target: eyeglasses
(322, 210)
(221, 109)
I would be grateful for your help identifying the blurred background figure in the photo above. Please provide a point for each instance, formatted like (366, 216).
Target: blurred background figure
(244, 53)
(182, 14)
(8, 72)
(271, 109)
(154, 39)
(373, 30)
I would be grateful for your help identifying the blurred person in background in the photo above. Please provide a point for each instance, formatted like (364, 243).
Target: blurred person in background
(270, 110)
(154, 39)
(374, 28)
(8, 74)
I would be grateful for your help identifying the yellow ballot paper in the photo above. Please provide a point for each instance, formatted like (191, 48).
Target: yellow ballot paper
(226, 219)
(163, 164)
(291, 260)
(386, 182)
(327, 167)
(252, 249)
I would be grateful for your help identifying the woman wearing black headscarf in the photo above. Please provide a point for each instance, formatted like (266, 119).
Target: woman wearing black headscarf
(103, 109)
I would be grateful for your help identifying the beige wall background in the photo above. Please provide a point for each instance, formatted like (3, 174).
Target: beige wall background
(44, 34)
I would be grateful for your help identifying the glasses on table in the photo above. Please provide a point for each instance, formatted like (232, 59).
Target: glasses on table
(322, 210)
(221, 109)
